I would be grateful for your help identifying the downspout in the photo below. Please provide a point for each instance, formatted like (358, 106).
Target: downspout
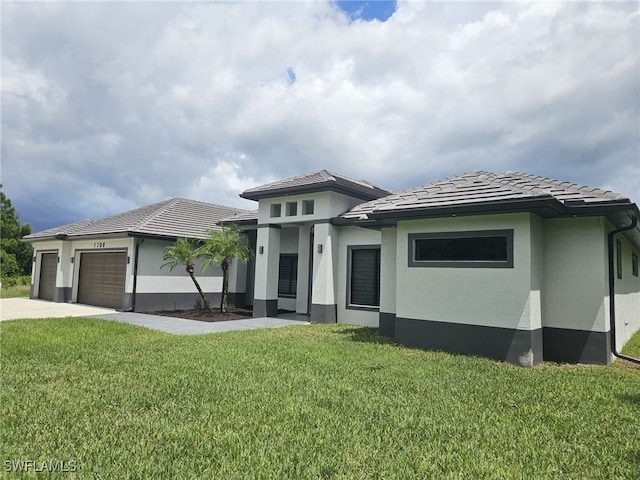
(612, 293)
(135, 275)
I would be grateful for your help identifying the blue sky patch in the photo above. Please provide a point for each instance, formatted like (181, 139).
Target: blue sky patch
(368, 10)
(291, 75)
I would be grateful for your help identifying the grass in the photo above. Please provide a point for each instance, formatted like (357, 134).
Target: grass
(15, 291)
(319, 401)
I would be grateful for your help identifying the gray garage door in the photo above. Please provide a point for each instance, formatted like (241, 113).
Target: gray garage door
(47, 283)
(102, 277)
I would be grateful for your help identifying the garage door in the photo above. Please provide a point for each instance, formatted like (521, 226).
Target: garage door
(102, 277)
(47, 283)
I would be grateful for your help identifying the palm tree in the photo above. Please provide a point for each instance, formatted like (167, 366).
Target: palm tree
(220, 249)
(184, 252)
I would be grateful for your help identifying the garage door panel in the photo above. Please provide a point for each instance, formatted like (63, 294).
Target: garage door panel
(102, 279)
(48, 270)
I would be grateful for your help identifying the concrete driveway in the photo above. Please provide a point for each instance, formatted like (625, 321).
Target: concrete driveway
(14, 308)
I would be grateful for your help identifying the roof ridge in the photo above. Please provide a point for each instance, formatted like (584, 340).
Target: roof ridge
(160, 207)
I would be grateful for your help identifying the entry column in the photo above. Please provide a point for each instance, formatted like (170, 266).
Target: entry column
(325, 266)
(265, 302)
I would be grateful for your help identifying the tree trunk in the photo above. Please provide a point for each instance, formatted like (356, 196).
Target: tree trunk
(225, 286)
(195, 282)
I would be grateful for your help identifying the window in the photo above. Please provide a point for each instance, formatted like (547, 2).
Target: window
(634, 264)
(288, 276)
(364, 277)
(619, 259)
(292, 209)
(307, 207)
(476, 249)
(276, 210)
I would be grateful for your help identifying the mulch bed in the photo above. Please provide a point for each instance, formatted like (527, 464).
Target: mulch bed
(202, 315)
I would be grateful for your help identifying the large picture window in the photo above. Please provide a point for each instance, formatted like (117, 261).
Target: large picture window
(475, 249)
(364, 277)
(288, 276)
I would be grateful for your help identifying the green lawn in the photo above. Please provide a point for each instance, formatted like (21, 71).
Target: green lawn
(15, 291)
(320, 401)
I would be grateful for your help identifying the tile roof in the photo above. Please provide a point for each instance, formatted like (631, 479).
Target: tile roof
(477, 190)
(177, 217)
(317, 181)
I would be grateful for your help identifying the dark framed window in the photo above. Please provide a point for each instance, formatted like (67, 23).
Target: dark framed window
(634, 264)
(619, 259)
(288, 275)
(276, 210)
(472, 249)
(307, 207)
(363, 282)
(292, 209)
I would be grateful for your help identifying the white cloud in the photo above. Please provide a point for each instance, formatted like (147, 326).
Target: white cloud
(145, 101)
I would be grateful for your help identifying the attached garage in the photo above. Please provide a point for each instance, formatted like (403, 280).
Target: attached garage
(115, 261)
(102, 279)
(47, 282)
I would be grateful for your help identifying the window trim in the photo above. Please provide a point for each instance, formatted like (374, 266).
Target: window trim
(308, 207)
(291, 209)
(275, 210)
(506, 233)
(357, 306)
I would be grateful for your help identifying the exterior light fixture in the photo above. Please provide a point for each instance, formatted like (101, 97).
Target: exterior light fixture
(319, 248)
(260, 249)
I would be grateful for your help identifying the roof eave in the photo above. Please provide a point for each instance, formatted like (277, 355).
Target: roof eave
(315, 188)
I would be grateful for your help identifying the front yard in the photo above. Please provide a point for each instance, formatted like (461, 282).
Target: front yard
(110, 400)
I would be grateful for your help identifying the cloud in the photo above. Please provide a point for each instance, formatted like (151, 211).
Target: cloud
(107, 107)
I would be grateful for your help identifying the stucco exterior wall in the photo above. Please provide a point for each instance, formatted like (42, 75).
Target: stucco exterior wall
(326, 205)
(154, 279)
(576, 274)
(494, 297)
(627, 299)
(350, 236)
(388, 270)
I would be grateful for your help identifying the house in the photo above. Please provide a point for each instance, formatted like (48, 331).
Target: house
(509, 266)
(116, 261)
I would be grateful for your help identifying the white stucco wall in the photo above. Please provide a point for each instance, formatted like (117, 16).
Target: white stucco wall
(388, 270)
(351, 236)
(497, 297)
(576, 274)
(325, 264)
(627, 299)
(326, 205)
(154, 279)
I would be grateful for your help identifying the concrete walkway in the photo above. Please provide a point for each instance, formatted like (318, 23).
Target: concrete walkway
(14, 308)
(183, 326)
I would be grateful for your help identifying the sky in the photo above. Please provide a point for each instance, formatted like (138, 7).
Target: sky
(110, 106)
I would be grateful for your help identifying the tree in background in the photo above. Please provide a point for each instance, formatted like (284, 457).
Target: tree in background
(220, 249)
(16, 257)
(184, 252)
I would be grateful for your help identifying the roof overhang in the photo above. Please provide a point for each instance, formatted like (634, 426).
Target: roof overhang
(619, 213)
(315, 188)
